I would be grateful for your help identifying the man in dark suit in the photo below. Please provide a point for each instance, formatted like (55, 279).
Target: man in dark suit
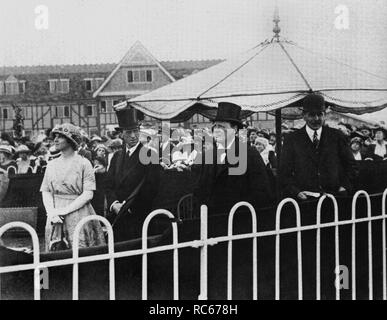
(316, 159)
(131, 183)
(220, 187)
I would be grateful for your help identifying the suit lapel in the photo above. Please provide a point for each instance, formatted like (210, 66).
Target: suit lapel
(129, 163)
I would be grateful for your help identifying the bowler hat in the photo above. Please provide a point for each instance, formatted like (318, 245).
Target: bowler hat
(128, 119)
(229, 112)
(313, 102)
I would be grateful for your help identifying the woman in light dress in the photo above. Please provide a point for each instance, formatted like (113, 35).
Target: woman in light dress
(67, 189)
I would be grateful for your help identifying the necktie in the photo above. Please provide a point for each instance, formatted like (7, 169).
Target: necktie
(315, 140)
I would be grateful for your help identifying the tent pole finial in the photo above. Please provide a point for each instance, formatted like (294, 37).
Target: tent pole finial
(276, 20)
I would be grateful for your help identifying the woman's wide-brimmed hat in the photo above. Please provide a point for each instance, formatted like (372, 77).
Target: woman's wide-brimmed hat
(100, 146)
(23, 149)
(6, 149)
(358, 140)
(381, 129)
(71, 132)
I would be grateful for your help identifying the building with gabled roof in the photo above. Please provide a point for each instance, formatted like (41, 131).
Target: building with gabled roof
(84, 94)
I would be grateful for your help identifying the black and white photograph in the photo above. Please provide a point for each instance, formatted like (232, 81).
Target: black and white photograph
(209, 151)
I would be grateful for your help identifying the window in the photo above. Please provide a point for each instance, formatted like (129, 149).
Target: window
(11, 87)
(64, 86)
(148, 75)
(140, 76)
(130, 76)
(52, 84)
(103, 106)
(22, 87)
(59, 85)
(66, 111)
(88, 84)
(5, 113)
(89, 111)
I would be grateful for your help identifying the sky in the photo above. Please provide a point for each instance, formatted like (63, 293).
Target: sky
(101, 31)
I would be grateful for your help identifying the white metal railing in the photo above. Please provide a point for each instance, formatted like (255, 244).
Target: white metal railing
(203, 243)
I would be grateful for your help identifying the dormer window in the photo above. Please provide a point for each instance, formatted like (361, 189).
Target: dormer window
(140, 76)
(59, 85)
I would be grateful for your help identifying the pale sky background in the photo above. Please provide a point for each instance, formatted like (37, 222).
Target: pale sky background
(101, 31)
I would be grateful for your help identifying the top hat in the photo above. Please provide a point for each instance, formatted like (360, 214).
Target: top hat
(313, 102)
(128, 119)
(229, 112)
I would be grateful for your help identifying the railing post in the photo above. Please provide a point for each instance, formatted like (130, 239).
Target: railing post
(35, 249)
(318, 243)
(277, 247)
(112, 294)
(204, 253)
(370, 272)
(384, 243)
(229, 255)
(145, 254)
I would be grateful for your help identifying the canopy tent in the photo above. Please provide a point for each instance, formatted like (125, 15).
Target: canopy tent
(273, 75)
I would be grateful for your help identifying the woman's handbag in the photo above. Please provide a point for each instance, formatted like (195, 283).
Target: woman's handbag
(58, 240)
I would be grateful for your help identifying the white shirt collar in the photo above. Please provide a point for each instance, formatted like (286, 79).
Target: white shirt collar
(131, 150)
(310, 133)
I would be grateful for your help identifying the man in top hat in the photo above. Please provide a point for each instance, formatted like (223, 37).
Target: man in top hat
(316, 159)
(220, 187)
(130, 185)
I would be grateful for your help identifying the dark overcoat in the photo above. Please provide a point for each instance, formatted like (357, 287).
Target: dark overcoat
(325, 169)
(127, 175)
(220, 191)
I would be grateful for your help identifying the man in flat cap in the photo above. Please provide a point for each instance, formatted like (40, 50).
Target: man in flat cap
(131, 184)
(315, 159)
(237, 172)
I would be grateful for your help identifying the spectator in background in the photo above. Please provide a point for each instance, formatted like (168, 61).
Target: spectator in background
(7, 165)
(5, 138)
(356, 145)
(23, 161)
(112, 147)
(101, 151)
(378, 150)
(99, 165)
(266, 151)
(252, 135)
(40, 157)
(272, 139)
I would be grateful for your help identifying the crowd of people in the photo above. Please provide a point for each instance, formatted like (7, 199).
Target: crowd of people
(21, 156)
(315, 159)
